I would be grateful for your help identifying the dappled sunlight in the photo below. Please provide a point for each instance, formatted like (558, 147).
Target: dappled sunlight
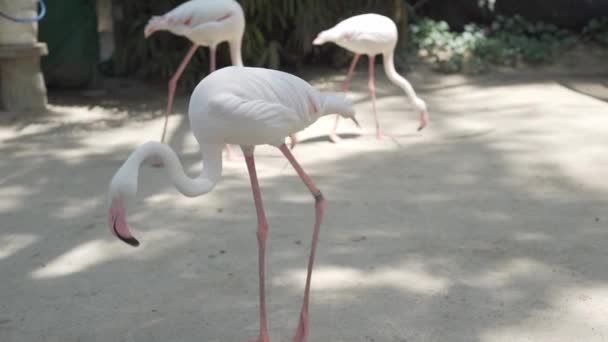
(487, 225)
(76, 208)
(63, 119)
(409, 277)
(531, 135)
(154, 242)
(590, 304)
(8, 176)
(13, 197)
(531, 236)
(509, 273)
(79, 258)
(13, 243)
(579, 310)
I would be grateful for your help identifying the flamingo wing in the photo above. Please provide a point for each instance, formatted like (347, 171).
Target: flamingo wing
(194, 18)
(260, 120)
(367, 28)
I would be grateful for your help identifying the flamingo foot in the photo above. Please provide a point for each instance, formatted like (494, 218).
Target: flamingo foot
(334, 138)
(424, 120)
(156, 162)
(383, 136)
(302, 331)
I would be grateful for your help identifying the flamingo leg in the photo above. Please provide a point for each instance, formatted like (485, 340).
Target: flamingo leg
(173, 85)
(229, 153)
(294, 140)
(371, 84)
(320, 204)
(262, 233)
(156, 161)
(333, 136)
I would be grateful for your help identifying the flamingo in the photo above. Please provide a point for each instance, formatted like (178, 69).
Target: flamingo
(204, 23)
(371, 34)
(247, 107)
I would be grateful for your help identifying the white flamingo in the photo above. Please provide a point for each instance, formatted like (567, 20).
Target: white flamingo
(204, 23)
(247, 107)
(371, 34)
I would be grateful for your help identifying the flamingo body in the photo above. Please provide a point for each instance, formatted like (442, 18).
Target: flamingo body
(263, 107)
(248, 107)
(368, 34)
(203, 22)
(371, 34)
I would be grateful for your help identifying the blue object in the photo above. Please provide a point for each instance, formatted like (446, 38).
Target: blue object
(27, 20)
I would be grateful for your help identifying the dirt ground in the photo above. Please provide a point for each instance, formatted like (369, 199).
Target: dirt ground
(491, 225)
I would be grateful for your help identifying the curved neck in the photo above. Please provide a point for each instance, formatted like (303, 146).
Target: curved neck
(235, 52)
(398, 80)
(191, 187)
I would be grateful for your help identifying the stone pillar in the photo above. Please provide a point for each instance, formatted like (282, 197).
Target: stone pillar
(22, 85)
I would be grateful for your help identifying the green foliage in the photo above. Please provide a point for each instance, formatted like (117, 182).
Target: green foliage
(508, 41)
(597, 31)
(278, 34)
(156, 57)
(447, 50)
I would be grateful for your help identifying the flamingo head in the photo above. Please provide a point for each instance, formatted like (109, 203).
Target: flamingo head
(155, 24)
(324, 37)
(338, 103)
(122, 191)
(424, 114)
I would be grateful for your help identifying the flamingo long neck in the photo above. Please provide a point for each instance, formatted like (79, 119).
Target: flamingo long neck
(398, 80)
(335, 103)
(235, 52)
(191, 187)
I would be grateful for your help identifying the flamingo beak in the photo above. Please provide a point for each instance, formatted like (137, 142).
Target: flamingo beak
(424, 120)
(117, 221)
(149, 31)
(356, 122)
(318, 40)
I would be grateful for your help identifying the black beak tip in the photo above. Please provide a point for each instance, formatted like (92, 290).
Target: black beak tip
(128, 240)
(131, 241)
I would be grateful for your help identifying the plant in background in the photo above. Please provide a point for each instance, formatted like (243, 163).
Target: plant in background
(279, 33)
(532, 42)
(597, 31)
(447, 50)
(508, 41)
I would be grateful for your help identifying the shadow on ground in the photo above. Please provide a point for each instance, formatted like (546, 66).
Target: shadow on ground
(478, 230)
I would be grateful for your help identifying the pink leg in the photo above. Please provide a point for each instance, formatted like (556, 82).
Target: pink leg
(173, 85)
(320, 204)
(294, 140)
(372, 91)
(229, 153)
(262, 233)
(351, 71)
(156, 161)
(333, 136)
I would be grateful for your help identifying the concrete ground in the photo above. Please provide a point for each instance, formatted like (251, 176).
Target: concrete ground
(491, 225)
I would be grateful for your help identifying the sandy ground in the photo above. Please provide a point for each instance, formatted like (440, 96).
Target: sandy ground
(489, 226)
